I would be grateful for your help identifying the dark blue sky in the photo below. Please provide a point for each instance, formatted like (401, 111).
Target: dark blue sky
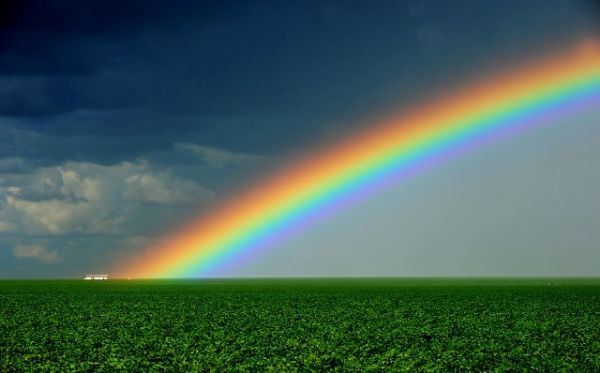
(119, 119)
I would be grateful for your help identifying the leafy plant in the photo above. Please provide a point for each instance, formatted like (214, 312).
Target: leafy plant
(282, 325)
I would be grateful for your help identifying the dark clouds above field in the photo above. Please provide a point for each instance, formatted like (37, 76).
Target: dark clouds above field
(120, 119)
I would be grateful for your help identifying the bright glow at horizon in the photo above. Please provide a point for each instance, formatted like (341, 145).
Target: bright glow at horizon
(319, 185)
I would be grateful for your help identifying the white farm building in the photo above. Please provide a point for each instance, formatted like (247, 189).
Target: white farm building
(96, 277)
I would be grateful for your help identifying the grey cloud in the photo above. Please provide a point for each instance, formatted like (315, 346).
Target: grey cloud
(91, 198)
(62, 217)
(218, 157)
(163, 188)
(37, 252)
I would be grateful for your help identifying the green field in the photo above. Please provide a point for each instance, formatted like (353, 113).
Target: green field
(345, 325)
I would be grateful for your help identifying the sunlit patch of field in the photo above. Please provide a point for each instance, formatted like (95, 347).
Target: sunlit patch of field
(343, 324)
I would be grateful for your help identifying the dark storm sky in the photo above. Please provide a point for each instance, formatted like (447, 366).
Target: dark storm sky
(121, 118)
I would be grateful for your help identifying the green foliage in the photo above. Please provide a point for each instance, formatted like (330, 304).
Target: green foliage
(282, 325)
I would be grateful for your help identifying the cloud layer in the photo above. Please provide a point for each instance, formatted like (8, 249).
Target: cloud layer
(90, 198)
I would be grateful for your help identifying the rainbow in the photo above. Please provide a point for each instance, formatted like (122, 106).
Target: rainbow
(316, 186)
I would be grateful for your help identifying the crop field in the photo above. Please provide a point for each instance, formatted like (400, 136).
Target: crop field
(283, 325)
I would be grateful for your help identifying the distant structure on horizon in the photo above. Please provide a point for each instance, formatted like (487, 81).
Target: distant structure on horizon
(96, 277)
